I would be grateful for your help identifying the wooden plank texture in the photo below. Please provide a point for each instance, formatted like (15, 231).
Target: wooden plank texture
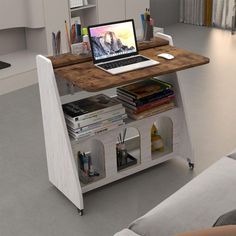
(89, 78)
(70, 59)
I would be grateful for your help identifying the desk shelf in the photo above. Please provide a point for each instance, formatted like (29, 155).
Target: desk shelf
(138, 145)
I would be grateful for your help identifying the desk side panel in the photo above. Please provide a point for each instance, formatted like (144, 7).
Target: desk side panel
(60, 160)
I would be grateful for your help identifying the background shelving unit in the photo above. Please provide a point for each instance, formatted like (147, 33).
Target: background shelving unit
(94, 12)
(29, 31)
(27, 34)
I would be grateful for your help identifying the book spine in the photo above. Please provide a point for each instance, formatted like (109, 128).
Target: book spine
(94, 132)
(93, 114)
(93, 120)
(126, 93)
(142, 102)
(101, 123)
(74, 127)
(154, 104)
(119, 94)
(163, 86)
(138, 109)
(158, 96)
(161, 109)
(126, 104)
(96, 128)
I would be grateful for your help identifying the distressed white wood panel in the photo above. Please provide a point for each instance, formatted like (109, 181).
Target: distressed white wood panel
(60, 160)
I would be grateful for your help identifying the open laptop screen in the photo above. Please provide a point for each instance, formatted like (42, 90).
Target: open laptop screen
(113, 40)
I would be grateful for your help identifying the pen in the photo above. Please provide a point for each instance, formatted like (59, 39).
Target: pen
(143, 21)
(54, 44)
(124, 134)
(67, 36)
(148, 15)
(73, 33)
(58, 42)
(145, 14)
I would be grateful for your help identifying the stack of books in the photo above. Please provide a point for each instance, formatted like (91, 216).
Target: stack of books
(93, 115)
(146, 98)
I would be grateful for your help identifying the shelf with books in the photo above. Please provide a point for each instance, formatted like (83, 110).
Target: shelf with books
(146, 98)
(86, 12)
(93, 115)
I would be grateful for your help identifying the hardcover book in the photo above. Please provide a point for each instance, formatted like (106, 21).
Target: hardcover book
(157, 103)
(144, 88)
(97, 124)
(151, 112)
(146, 100)
(90, 133)
(90, 121)
(90, 107)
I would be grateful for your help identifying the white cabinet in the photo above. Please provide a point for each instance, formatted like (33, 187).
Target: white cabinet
(111, 10)
(102, 11)
(21, 13)
(26, 28)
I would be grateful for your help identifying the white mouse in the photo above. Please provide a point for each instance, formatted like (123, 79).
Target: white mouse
(166, 56)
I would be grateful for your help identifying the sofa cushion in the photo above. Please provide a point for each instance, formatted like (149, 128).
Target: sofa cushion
(227, 219)
(126, 232)
(195, 206)
(229, 230)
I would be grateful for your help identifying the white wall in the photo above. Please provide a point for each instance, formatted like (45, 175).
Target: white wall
(12, 40)
(165, 12)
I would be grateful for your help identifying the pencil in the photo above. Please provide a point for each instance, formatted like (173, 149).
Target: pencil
(67, 36)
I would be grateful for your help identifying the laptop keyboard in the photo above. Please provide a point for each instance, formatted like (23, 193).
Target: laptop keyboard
(124, 62)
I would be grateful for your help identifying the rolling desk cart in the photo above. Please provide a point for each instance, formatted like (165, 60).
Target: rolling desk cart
(79, 72)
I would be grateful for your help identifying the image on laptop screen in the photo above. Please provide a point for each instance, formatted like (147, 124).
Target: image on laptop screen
(112, 40)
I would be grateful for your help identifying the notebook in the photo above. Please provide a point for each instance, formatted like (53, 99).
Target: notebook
(114, 47)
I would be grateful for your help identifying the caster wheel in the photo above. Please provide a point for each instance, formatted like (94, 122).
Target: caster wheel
(81, 212)
(191, 165)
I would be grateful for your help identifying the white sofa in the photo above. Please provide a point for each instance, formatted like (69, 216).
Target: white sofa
(195, 206)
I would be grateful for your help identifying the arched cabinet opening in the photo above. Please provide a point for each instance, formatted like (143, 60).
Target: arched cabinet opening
(91, 161)
(162, 137)
(128, 151)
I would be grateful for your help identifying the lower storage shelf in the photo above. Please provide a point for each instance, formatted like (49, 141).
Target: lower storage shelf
(126, 172)
(129, 161)
(135, 141)
(158, 154)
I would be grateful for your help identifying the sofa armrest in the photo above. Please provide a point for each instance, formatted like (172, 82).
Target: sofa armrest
(126, 232)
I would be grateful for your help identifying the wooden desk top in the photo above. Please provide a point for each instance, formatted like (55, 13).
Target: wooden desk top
(70, 59)
(89, 78)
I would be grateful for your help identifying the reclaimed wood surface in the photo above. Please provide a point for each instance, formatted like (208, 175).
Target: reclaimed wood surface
(89, 78)
(70, 59)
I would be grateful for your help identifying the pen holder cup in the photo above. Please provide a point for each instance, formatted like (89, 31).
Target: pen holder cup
(122, 154)
(147, 31)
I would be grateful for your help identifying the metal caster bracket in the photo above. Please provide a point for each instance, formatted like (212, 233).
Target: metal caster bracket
(81, 212)
(190, 164)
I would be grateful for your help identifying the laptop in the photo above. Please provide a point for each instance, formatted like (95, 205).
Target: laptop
(114, 47)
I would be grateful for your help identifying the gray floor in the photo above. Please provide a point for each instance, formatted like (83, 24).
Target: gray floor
(29, 205)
